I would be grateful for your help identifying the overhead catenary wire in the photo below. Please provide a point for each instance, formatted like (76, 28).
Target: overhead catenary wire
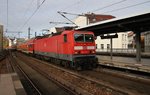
(7, 15)
(27, 9)
(62, 9)
(127, 7)
(73, 4)
(112, 4)
(66, 17)
(78, 1)
(32, 14)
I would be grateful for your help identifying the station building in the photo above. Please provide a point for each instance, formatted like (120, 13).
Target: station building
(117, 43)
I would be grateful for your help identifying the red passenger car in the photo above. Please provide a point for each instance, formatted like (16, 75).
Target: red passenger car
(27, 47)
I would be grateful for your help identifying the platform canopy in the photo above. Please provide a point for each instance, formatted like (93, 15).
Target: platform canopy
(136, 22)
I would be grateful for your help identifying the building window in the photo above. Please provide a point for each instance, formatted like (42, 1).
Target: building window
(108, 46)
(102, 46)
(122, 37)
(122, 45)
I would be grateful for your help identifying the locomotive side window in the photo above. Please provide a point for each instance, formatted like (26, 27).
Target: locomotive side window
(89, 38)
(65, 37)
(79, 37)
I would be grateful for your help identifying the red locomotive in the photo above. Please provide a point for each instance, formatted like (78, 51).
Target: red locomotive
(70, 48)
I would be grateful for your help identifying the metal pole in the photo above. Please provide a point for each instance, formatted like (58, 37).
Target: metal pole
(138, 46)
(19, 34)
(35, 34)
(29, 33)
(111, 48)
(2, 38)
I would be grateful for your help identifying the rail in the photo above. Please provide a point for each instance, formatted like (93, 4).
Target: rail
(2, 55)
(16, 66)
(87, 81)
(82, 87)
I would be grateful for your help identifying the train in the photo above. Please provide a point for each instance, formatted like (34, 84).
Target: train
(70, 48)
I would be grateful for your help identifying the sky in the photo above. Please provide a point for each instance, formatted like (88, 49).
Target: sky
(19, 15)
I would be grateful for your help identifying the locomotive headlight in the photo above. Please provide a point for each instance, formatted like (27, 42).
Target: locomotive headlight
(90, 47)
(78, 47)
(76, 52)
(93, 51)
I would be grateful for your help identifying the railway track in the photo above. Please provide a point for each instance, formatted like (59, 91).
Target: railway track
(96, 83)
(27, 82)
(45, 85)
(13, 67)
(2, 55)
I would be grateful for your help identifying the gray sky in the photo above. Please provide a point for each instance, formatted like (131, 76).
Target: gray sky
(19, 12)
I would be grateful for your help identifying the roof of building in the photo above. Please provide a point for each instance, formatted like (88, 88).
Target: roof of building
(98, 17)
(138, 22)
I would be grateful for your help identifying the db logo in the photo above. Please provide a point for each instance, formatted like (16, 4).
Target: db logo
(84, 47)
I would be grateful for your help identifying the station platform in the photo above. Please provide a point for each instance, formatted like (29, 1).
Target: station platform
(124, 54)
(125, 63)
(11, 85)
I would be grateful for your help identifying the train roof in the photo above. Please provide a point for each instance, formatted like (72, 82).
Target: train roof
(57, 33)
(48, 35)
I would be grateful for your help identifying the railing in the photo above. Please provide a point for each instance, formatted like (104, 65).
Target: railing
(117, 50)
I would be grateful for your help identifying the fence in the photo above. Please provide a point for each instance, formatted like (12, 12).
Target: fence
(117, 50)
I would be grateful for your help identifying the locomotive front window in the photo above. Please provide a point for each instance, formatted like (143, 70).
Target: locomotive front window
(79, 37)
(83, 37)
(89, 38)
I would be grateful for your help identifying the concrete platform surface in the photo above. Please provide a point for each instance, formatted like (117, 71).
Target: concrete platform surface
(125, 62)
(11, 85)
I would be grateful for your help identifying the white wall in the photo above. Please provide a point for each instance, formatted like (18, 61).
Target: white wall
(120, 42)
(53, 29)
(81, 21)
